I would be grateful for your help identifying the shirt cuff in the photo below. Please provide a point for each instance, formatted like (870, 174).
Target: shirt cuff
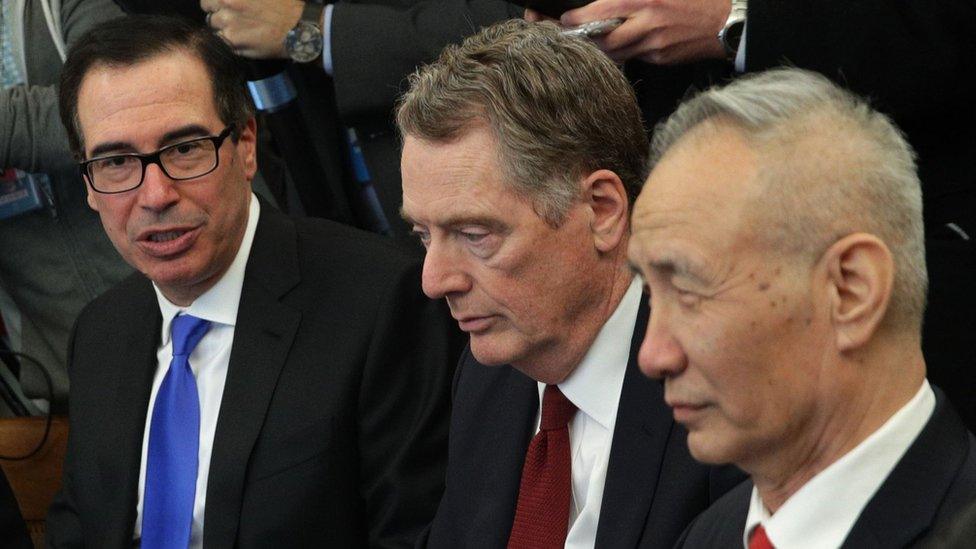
(327, 39)
(740, 56)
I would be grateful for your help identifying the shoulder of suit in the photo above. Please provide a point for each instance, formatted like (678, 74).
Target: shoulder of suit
(722, 523)
(352, 246)
(129, 297)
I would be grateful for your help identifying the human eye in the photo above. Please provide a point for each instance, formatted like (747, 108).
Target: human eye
(421, 234)
(113, 162)
(474, 236)
(480, 241)
(114, 168)
(687, 296)
(187, 148)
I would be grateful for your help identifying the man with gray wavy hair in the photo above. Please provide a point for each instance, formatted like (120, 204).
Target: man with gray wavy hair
(780, 233)
(523, 150)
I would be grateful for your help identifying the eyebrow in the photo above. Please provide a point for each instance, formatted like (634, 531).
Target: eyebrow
(676, 265)
(459, 220)
(190, 130)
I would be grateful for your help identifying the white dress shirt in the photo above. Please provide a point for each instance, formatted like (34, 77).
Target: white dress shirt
(208, 361)
(594, 387)
(822, 512)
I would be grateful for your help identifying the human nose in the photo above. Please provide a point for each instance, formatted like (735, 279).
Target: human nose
(157, 191)
(444, 272)
(660, 354)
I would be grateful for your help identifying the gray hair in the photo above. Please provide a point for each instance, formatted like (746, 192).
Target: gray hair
(556, 105)
(830, 166)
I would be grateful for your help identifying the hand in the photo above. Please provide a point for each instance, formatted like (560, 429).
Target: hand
(663, 32)
(254, 28)
(533, 16)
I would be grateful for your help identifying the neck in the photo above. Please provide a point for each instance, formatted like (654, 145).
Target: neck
(185, 296)
(562, 359)
(872, 390)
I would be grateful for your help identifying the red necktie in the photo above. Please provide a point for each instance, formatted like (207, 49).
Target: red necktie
(542, 513)
(759, 540)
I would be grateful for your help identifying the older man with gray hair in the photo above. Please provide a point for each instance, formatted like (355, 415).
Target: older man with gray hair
(780, 233)
(523, 150)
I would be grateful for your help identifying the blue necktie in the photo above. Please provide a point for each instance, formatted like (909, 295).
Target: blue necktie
(174, 440)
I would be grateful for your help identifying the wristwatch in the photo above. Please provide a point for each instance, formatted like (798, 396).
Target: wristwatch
(731, 33)
(303, 43)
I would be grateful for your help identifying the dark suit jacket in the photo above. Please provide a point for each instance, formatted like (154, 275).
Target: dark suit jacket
(957, 532)
(934, 479)
(907, 56)
(653, 487)
(376, 44)
(13, 532)
(332, 429)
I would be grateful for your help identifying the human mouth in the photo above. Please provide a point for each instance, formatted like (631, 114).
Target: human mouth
(167, 236)
(475, 324)
(167, 242)
(685, 412)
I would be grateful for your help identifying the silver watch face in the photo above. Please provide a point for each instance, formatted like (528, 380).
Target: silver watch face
(304, 42)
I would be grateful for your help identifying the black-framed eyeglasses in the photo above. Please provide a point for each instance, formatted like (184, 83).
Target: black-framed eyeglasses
(118, 173)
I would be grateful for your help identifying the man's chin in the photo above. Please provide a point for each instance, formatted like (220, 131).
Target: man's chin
(706, 448)
(176, 278)
(488, 351)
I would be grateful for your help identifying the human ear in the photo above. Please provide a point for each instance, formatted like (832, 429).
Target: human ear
(606, 199)
(92, 203)
(860, 275)
(247, 148)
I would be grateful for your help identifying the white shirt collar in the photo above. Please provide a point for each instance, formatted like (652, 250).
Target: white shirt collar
(594, 386)
(218, 304)
(823, 511)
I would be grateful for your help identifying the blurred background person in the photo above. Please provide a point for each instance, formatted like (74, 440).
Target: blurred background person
(327, 76)
(54, 256)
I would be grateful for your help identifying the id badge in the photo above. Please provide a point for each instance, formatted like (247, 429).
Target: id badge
(22, 192)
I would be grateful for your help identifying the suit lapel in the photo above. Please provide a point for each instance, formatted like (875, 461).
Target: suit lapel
(263, 336)
(644, 424)
(134, 364)
(905, 506)
(497, 420)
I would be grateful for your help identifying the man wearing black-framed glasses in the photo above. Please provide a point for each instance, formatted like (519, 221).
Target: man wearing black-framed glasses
(118, 173)
(240, 389)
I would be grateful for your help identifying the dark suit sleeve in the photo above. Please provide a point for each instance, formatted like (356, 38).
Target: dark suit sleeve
(62, 526)
(375, 47)
(404, 409)
(908, 55)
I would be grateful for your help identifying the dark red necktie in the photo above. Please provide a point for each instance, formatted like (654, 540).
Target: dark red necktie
(759, 540)
(542, 513)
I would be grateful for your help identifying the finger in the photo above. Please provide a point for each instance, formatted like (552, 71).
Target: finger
(220, 34)
(630, 33)
(638, 50)
(218, 20)
(208, 5)
(656, 51)
(595, 11)
(532, 16)
(687, 51)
